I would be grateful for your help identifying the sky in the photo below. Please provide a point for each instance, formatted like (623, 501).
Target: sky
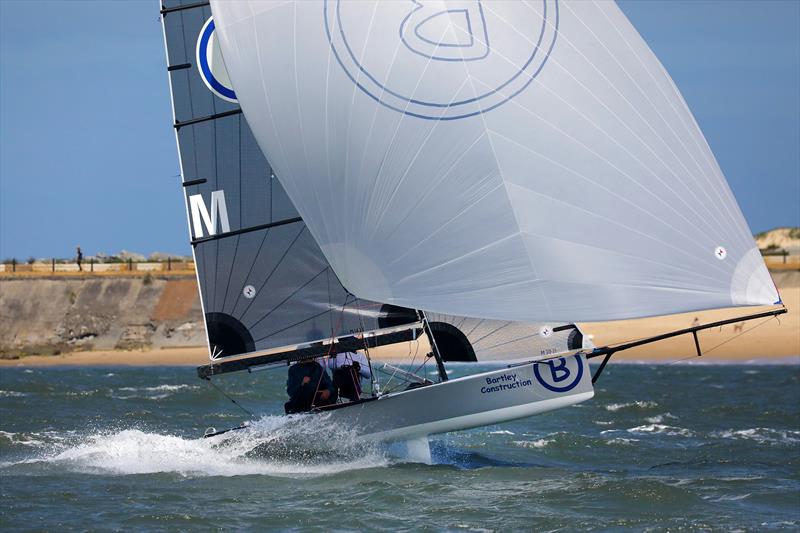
(88, 155)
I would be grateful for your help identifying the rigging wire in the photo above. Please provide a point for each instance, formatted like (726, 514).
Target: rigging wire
(646, 337)
(725, 341)
(411, 364)
(386, 386)
(326, 357)
(374, 384)
(237, 404)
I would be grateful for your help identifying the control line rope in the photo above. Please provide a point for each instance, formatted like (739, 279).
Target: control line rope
(240, 406)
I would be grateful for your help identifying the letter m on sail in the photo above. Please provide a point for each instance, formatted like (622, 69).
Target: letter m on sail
(201, 216)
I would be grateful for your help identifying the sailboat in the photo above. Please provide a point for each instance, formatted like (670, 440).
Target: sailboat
(478, 174)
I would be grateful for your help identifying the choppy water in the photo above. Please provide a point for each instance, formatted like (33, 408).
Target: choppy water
(660, 447)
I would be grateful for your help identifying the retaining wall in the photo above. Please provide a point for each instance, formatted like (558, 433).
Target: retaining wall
(46, 315)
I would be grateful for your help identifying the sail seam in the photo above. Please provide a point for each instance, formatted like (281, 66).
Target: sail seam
(660, 160)
(504, 184)
(663, 140)
(492, 332)
(704, 149)
(272, 272)
(442, 225)
(303, 286)
(597, 215)
(230, 272)
(249, 273)
(305, 320)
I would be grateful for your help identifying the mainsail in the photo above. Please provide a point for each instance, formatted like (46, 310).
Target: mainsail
(263, 281)
(511, 160)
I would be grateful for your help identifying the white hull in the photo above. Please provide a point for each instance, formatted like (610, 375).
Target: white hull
(471, 401)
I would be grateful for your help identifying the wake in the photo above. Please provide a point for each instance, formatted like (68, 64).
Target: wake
(273, 446)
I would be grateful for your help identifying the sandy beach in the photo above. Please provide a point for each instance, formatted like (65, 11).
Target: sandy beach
(771, 338)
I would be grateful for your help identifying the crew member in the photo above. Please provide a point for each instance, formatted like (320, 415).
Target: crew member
(308, 386)
(348, 369)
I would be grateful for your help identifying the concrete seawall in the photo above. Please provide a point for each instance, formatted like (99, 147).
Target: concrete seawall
(48, 315)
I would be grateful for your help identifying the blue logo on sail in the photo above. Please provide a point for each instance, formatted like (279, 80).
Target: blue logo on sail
(211, 65)
(558, 375)
(441, 61)
(457, 34)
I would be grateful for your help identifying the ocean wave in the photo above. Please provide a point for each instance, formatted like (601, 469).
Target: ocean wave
(539, 443)
(661, 429)
(81, 393)
(160, 388)
(761, 435)
(12, 394)
(728, 497)
(614, 407)
(150, 393)
(137, 397)
(501, 432)
(657, 419)
(623, 441)
(562, 439)
(37, 439)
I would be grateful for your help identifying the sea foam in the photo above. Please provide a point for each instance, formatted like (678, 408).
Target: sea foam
(273, 445)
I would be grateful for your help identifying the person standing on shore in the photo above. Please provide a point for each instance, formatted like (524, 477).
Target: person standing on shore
(79, 258)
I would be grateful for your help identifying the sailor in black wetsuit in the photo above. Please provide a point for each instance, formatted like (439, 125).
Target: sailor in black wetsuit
(308, 385)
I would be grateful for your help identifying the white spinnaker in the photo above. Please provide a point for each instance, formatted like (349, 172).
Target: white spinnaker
(508, 160)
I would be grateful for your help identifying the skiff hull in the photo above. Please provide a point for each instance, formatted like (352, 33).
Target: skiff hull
(471, 401)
